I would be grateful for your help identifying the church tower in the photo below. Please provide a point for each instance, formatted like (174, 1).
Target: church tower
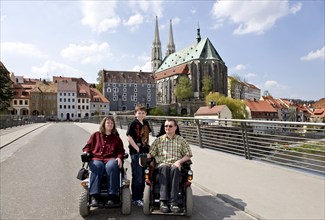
(171, 45)
(156, 55)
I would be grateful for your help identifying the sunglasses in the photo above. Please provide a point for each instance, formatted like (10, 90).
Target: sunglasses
(169, 126)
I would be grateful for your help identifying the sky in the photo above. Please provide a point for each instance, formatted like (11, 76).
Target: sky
(277, 45)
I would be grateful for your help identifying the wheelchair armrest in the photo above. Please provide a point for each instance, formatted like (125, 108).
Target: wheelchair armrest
(187, 164)
(85, 158)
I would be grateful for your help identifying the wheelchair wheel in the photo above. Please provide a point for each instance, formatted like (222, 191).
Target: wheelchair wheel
(84, 209)
(146, 200)
(189, 201)
(126, 201)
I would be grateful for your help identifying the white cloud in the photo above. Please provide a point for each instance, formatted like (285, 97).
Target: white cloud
(318, 54)
(134, 21)
(3, 17)
(52, 68)
(100, 15)
(249, 75)
(21, 49)
(144, 68)
(176, 20)
(271, 84)
(252, 16)
(193, 11)
(152, 7)
(238, 67)
(92, 53)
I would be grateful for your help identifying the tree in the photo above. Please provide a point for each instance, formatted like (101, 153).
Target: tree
(6, 90)
(184, 88)
(156, 111)
(206, 85)
(236, 106)
(99, 86)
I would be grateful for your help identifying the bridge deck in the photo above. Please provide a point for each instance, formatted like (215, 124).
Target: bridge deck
(263, 190)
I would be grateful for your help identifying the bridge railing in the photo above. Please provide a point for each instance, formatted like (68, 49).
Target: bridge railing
(293, 144)
(8, 121)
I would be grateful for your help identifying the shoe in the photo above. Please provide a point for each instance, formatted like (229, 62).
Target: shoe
(174, 208)
(93, 202)
(164, 207)
(111, 202)
(138, 203)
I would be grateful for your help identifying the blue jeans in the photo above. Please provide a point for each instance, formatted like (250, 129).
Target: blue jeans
(137, 177)
(97, 168)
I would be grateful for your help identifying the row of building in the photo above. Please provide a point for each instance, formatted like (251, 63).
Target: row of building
(64, 98)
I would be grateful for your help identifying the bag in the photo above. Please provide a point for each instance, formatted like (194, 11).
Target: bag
(83, 174)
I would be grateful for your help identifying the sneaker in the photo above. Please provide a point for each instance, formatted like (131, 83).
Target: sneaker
(137, 203)
(163, 207)
(174, 208)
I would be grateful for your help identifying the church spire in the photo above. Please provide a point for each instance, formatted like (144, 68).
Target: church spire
(198, 36)
(171, 44)
(156, 55)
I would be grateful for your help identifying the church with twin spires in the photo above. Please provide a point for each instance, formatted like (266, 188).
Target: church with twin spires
(195, 61)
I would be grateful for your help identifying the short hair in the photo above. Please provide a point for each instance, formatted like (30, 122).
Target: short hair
(173, 120)
(102, 125)
(140, 108)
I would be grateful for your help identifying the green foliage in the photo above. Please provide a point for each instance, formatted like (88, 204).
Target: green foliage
(172, 111)
(206, 85)
(156, 111)
(184, 88)
(99, 84)
(6, 90)
(236, 106)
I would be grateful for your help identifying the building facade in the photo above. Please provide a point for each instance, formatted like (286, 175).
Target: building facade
(196, 61)
(126, 89)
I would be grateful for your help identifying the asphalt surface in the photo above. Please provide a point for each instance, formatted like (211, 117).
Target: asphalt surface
(38, 178)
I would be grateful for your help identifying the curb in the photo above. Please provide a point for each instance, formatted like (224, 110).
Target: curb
(1, 147)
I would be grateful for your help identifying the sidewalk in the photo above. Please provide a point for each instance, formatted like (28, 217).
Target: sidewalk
(12, 134)
(263, 190)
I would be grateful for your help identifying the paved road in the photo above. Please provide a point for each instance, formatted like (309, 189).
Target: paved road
(38, 180)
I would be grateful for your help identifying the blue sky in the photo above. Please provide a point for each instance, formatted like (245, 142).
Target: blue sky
(276, 45)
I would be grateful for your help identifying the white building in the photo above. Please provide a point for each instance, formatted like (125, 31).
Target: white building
(67, 99)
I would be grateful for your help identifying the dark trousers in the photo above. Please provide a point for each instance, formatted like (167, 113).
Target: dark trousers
(137, 185)
(169, 183)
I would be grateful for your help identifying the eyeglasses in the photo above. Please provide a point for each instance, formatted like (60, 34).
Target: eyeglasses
(169, 126)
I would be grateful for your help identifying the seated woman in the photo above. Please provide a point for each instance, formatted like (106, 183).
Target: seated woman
(106, 149)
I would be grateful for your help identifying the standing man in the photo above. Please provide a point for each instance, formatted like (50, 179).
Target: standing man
(170, 151)
(138, 137)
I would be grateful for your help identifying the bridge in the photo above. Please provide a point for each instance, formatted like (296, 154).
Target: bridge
(39, 163)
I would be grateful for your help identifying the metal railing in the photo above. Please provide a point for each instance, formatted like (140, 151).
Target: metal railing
(8, 121)
(293, 144)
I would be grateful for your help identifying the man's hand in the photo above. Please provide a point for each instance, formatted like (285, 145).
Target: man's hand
(178, 164)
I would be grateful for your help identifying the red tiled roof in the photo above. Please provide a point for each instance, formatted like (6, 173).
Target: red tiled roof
(181, 69)
(259, 106)
(96, 94)
(207, 110)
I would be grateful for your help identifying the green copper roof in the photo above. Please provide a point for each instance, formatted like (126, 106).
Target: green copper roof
(204, 50)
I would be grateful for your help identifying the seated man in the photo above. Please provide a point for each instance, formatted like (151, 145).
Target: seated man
(170, 151)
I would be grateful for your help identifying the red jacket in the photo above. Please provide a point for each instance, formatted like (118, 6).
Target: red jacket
(104, 147)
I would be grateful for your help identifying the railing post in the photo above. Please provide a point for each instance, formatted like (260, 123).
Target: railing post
(245, 140)
(198, 132)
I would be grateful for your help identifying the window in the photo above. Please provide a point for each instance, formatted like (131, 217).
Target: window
(108, 89)
(114, 98)
(135, 90)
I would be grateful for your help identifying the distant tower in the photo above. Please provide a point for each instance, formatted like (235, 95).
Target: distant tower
(171, 46)
(198, 35)
(156, 56)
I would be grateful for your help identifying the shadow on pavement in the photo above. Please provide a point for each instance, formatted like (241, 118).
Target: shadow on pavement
(204, 207)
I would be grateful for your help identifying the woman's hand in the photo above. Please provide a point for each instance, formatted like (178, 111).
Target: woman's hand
(119, 162)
